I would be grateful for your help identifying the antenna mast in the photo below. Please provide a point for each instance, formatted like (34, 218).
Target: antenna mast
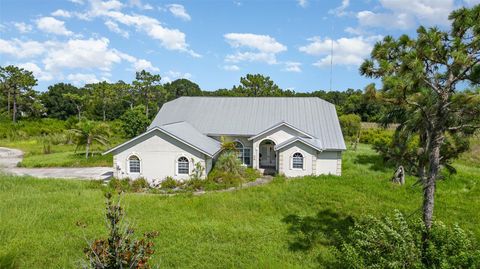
(331, 60)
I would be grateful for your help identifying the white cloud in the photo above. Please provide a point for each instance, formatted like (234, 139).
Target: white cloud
(62, 13)
(400, 21)
(82, 53)
(140, 5)
(21, 49)
(403, 14)
(53, 26)
(37, 71)
(173, 75)
(264, 48)
(171, 39)
(79, 2)
(293, 67)
(113, 26)
(302, 3)
(340, 11)
(22, 27)
(346, 51)
(179, 11)
(231, 67)
(80, 79)
(142, 64)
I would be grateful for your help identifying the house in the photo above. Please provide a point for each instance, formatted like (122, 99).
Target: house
(293, 136)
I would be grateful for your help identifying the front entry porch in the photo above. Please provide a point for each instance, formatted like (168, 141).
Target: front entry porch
(267, 157)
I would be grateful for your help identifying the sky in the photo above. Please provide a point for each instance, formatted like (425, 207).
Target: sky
(212, 43)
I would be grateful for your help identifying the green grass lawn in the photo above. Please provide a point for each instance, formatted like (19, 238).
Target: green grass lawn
(62, 155)
(240, 229)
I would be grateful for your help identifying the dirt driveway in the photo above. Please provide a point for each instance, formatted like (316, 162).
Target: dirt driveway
(9, 158)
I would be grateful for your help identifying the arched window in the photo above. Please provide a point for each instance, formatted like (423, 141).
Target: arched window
(297, 161)
(134, 164)
(183, 166)
(243, 153)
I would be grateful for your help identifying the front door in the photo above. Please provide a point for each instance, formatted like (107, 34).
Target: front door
(268, 156)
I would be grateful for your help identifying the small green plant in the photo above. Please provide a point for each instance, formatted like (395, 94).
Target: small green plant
(121, 249)
(139, 184)
(398, 243)
(119, 184)
(198, 170)
(46, 144)
(168, 183)
(228, 162)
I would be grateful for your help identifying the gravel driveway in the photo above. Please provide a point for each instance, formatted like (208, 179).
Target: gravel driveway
(9, 158)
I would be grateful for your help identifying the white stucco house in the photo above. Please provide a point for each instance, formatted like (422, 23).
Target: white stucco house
(294, 136)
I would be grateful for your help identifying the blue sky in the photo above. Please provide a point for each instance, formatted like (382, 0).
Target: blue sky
(212, 43)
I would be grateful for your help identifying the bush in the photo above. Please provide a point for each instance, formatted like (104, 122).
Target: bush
(376, 135)
(121, 249)
(139, 184)
(351, 124)
(251, 174)
(169, 183)
(228, 162)
(397, 243)
(119, 184)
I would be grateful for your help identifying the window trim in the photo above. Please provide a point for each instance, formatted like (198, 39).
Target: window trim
(302, 159)
(177, 168)
(241, 152)
(139, 164)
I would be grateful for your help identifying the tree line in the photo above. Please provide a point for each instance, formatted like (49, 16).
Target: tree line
(107, 101)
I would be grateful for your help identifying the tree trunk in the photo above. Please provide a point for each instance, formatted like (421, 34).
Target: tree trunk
(87, 148)
(14, 117)
(432, 175)
(79, 113)
(8, 102)
(104, 108)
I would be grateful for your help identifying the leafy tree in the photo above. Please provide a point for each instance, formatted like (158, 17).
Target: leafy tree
(422, 76)
(257, 85)
(79, 100)
(18, 83)
(147, 86)
(103, 95)
(55, 102)
(350, 124)
(134, 121)
(89, 132)
(182, 87)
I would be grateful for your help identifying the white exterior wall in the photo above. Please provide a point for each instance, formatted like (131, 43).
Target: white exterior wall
(277, 135)
(285, 160)
(329, 162)
(158, 154)
(242, 139)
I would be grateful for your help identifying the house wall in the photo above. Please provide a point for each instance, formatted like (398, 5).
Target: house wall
(285, 160)
(329, 162)
(277, 135)
(158, 154)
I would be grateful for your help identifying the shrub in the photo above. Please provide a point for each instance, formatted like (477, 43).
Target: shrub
(121, 249)
(139, 184)
(169, 183)
(251, 174)
(228, 162)
(350, 124)
(119, 184)
(376, 135)
(397, 243)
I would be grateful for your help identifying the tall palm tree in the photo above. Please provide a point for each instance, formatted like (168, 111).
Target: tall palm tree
(88, 132)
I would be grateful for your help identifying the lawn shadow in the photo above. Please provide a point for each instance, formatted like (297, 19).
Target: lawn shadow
(8, 261)
(325, 228)
(374, 161)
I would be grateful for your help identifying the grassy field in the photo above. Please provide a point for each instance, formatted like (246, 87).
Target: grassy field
(241, 229)
(62, 155)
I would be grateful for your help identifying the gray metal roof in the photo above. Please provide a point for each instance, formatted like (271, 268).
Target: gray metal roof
(315, 143)
(248, 116)
(189, 135)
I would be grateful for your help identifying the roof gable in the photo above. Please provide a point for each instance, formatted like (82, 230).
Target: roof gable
(186, 134)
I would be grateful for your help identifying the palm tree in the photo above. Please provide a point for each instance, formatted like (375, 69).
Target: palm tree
(88, 132)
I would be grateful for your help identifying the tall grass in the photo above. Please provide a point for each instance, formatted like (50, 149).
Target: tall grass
(241, 229)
